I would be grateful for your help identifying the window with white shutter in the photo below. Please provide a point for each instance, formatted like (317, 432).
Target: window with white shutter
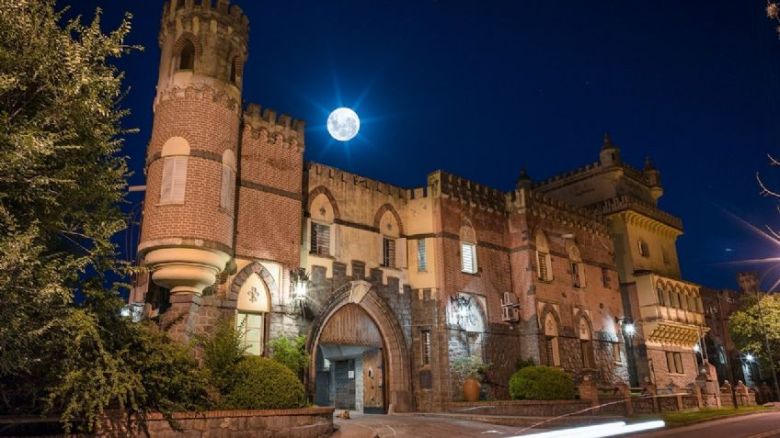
(543, 267)
(468, 258)
(174, 180)
(320, 239)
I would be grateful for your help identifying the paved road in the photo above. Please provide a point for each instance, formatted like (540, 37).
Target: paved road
(411, 426)
(371, 426)
(749, 426)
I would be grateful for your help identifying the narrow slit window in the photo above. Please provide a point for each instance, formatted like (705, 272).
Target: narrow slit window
(422, 261)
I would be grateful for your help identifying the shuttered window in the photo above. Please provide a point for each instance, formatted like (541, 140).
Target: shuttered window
(422, 261)
(468, 258)
(388, 252)
(320, 239)
(228, 191)
(587, 354)
(174, 180)
(543, 266)
(576, 275)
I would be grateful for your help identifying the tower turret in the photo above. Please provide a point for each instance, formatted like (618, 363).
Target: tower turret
(610, 153)
(653, 178)
(187, 234)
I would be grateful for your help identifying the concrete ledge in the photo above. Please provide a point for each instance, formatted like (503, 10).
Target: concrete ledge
(520, 408)
(520, 421)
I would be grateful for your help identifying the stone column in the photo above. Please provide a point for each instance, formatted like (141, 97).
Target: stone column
(588, 391)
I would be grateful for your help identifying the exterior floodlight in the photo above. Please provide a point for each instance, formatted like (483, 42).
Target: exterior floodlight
(630, 329)
(300, 284)
(749, 357)
(697, 348)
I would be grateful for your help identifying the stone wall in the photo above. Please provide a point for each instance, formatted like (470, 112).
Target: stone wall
(287, 423)
(521, 408)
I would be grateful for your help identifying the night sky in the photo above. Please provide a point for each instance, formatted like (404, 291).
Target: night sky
(484, 88)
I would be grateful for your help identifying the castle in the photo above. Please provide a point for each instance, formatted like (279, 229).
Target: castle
(392, 285)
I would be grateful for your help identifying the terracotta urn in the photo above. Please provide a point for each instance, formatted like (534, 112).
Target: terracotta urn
(471, 389)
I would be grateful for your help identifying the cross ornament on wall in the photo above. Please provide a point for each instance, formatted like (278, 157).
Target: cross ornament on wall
(253, 294)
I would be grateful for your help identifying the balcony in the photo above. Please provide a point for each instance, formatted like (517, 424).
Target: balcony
(670, 310)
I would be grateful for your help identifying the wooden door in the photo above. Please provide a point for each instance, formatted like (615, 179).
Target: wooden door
(373, 378)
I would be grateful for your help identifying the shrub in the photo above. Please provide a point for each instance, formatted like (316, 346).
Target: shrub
(262, 383)
(541, 383)
(223, 349)
(291, 352)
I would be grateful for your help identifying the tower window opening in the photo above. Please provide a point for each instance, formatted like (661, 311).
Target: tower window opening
(233, 73)
(187, 56)
(179, 4)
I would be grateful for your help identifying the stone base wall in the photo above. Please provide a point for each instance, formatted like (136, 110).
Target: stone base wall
(521, 408)
(287, 423)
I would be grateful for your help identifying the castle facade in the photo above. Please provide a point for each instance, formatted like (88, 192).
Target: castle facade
(393, 285)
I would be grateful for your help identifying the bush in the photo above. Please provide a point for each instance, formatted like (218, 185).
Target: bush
(223, 349)
(291, 352)
(262, 383)
(541, 383)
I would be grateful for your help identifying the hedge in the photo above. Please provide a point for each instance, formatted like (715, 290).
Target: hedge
(262, 383)
(541, 383)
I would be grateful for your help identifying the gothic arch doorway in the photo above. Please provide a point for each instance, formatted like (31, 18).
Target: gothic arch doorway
(359, 358)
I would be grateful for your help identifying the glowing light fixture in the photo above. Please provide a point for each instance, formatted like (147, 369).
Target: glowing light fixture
(697, 348)
(749, 357)
(629, 328)
(343, 124)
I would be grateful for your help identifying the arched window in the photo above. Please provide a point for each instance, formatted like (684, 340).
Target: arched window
(468, 249)
(577, 268)
(187, 56)
(323, 232)
(551, 340)
(179, 4)
(175, 153)
(586, 346)
(543, 259)
(391, 245)
(684, 301)
(227, 196)
(661, 298)
(252, 306)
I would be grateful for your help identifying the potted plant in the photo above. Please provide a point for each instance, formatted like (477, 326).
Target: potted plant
(470, 370)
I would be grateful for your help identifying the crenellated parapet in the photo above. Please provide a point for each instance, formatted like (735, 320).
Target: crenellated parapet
(544, 207)
(644, 214)
(447, 185)
(278, 128)
(192, 14)
(322, 171)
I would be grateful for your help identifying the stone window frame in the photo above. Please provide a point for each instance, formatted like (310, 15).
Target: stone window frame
(576, 266)
(551, 337)
(187, 39)
(643, 248)
(588, 359)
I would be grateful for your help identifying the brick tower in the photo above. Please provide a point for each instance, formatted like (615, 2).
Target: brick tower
(189, 212)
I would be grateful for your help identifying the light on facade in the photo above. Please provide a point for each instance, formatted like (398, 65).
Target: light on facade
(629, 328)
(697, 348)
(300, 284)
(749, 357)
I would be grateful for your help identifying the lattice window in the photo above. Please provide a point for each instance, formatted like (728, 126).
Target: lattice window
(543, 266)
(174, 180)
(388, 252)
(425, 342)
(422, 260)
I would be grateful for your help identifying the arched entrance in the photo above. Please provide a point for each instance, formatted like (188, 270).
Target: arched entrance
(359, 357)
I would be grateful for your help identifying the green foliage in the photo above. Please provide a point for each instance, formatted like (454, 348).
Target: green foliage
(222, 349)
(541, 383)
(468, 366)
(757, 321)
(62, 180)
(261, 383)
(291, 352)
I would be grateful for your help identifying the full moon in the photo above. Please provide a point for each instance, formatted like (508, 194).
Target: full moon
(343, 124)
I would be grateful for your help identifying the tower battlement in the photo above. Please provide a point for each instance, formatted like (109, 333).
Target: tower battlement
(203, 12)
(456, 187)
(324, 171)
(258, 120)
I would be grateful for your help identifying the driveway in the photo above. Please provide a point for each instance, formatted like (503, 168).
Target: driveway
(413, 426)
(748, 426)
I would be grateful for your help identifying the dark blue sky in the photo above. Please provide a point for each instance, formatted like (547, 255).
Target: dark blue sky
(483, 88)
